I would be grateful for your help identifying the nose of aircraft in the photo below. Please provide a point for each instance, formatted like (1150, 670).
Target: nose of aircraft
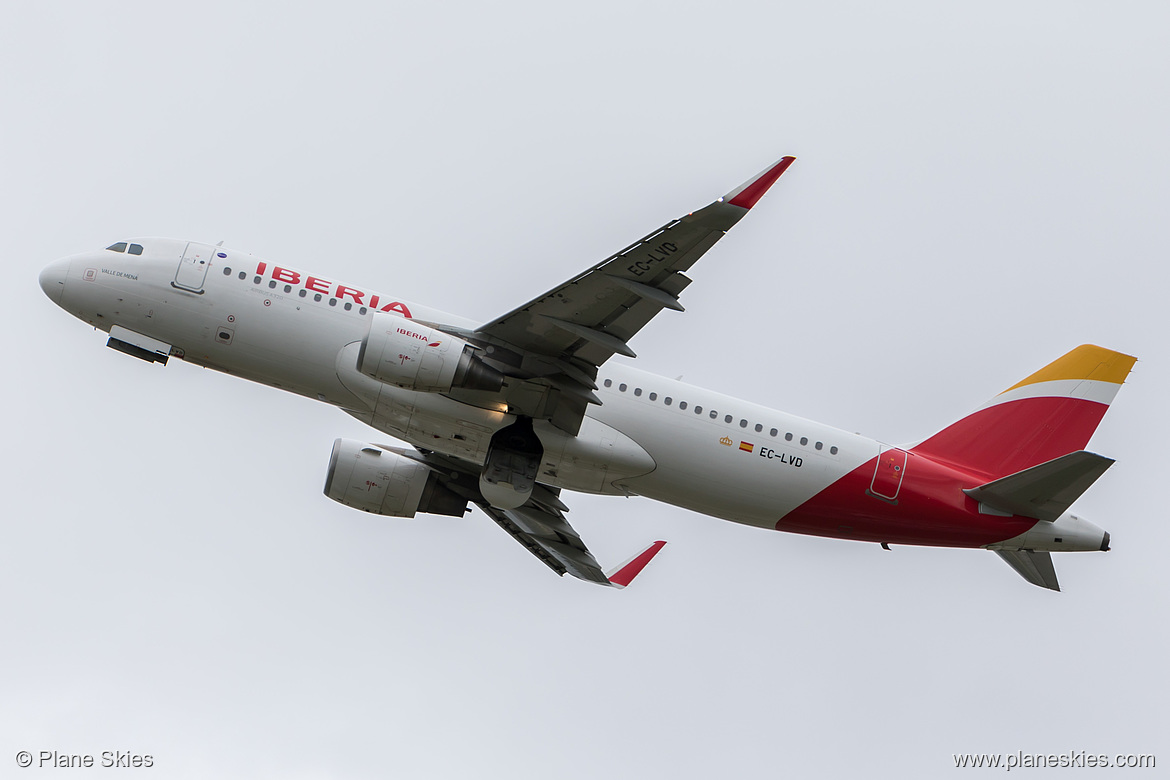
(53, 280)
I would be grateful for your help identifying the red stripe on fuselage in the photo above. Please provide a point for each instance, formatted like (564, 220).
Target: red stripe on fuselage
(1015, 435)
(931, 509)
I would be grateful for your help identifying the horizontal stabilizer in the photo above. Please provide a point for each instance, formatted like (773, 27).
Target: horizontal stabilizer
(1045, 491)
(1033, 565)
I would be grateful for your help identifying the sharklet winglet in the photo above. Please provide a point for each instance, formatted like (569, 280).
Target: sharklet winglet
(625, 574)
(749, 193)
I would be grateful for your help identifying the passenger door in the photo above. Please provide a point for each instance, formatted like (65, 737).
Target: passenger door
(193, 267)
(888, 474)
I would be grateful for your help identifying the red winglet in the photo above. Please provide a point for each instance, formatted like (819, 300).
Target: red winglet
(625, 574)
(749, 193)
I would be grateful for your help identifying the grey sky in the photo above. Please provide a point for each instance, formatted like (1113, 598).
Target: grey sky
(977, 191)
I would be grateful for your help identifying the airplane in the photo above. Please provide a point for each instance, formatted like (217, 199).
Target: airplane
(511, 414)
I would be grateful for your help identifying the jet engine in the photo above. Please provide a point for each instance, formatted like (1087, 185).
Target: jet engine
(385, 482)
(405, 353)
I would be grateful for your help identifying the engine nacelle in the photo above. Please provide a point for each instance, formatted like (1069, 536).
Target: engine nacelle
(402, 352)
(384, 482)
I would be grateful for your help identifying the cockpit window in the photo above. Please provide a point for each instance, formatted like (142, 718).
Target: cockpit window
(118, 247)
(136, 249)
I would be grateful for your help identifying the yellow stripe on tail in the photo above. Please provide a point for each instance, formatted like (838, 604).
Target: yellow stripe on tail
(1085, 362)
(1050, 414)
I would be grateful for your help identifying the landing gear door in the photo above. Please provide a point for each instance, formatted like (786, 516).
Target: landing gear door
(888, 475)
(193, 267)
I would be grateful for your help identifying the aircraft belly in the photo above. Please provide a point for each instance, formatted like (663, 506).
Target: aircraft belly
(734, 485)
(599, 459)
(590, 462)
(437, 423)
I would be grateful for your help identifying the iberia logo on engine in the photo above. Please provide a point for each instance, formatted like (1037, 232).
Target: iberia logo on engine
(418, 336)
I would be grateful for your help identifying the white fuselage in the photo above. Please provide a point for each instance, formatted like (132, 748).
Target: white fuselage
(651, 436)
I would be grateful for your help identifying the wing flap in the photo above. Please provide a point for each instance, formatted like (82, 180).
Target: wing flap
(525, 540)
(551, 539)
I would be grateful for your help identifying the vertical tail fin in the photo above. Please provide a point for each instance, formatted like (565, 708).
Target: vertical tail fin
(1051, 413)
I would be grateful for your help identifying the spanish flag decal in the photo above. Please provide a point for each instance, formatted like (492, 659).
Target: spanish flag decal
(743, 445)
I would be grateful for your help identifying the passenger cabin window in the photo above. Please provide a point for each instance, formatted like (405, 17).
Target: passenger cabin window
(118, 247)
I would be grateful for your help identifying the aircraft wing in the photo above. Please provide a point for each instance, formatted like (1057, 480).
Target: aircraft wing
(539, 525)
(566, 334)
(594, 315)
(544, 532)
